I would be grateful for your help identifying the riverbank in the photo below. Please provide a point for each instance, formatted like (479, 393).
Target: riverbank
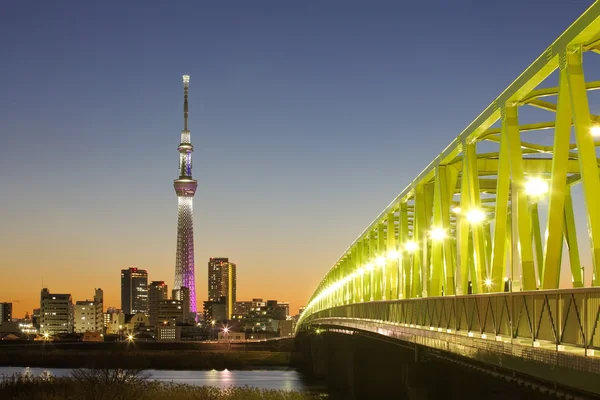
(52, 357)
(126, 385)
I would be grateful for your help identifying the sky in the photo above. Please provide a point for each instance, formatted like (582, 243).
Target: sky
(307, 119)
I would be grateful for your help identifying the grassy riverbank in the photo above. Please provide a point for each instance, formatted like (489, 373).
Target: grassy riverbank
(129, 385)
(51, 357)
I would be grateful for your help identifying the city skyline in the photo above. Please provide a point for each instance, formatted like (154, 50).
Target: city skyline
(277, 155)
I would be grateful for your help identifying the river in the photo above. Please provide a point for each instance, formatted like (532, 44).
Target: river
(280, 379)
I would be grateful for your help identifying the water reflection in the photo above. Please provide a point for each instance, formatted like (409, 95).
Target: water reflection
(281, 379)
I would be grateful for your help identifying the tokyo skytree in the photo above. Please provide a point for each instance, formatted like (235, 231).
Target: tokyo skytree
(185, 187)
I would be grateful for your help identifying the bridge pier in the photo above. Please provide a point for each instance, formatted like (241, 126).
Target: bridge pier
(356, 367)
(368, 366)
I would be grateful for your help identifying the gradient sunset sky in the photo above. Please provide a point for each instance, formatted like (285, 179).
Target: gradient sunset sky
(307, 119)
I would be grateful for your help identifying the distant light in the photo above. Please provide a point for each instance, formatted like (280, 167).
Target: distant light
(536, 187)
(369, 267)
(411, 246)
(130, 337)
(506, 279)
(46, 335)
(225, 330)
(475, 216)
(488, 282)
(438, 234)
(595, 130)
(393, 255)
(380, 261)
(360, 271)
(456, 210)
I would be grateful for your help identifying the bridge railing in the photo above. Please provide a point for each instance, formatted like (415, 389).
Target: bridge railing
(547, 319)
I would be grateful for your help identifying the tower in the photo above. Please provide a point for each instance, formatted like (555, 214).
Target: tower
(185, 187)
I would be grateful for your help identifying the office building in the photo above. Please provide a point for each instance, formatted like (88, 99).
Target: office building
(171, 312)
(241, 308)
(168, 333)
(215, 311)
(56, 313)
(183, 294)
(157, 291)
(36, 318)
(89, 315)
(108, 316)
(222, 283)
(285, 306)
(5, 312)
(134, 291)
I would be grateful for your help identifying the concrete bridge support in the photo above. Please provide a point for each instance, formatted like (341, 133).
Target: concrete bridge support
(360, 367)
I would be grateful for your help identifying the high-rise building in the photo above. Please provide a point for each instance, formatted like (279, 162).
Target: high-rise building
(5, 312)
(222, 282)
(56, 313)
(134, 291)
(157, 291)
(185, 188)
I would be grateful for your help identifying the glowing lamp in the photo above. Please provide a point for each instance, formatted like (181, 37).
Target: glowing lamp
(380, 261)
(393, 255)
(411, 246)
(437, 234)
(475, 216)
(595, 130)
(535, 187)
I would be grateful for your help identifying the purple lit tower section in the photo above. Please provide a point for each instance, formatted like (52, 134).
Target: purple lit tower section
(185, 187)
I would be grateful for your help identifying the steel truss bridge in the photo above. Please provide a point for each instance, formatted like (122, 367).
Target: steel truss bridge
(468, 257)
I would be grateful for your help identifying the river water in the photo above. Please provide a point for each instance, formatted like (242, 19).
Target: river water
(280, 379)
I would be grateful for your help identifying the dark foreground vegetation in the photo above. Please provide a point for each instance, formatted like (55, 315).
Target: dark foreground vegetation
(124, 384)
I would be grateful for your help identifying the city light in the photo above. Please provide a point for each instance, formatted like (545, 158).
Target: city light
(393, 255)
(380, 261)
(595, 130)
(411, 246)
(130, 338)
(438, 234)
(536, 187)
(475, 216)
(46, 335)
(488, 282)
(225, 330)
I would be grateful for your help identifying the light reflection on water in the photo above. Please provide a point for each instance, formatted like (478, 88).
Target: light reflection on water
(281, 379)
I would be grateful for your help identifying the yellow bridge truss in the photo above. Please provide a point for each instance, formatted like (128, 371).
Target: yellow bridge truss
(470, 222)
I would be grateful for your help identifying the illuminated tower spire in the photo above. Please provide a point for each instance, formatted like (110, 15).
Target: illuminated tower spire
(185, 187)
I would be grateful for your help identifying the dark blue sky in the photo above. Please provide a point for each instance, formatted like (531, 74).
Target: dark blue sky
(307, 119)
